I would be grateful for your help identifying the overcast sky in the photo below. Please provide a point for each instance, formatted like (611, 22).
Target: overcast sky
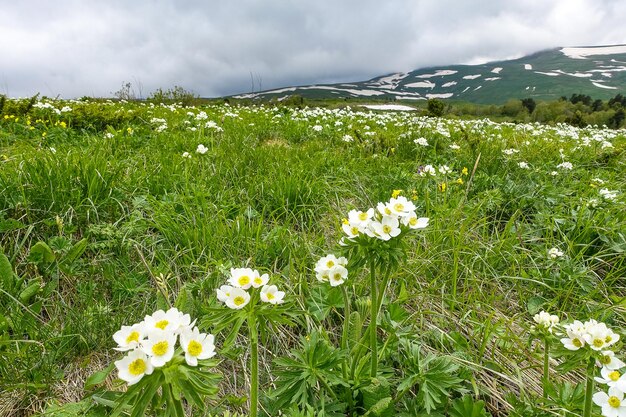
(74, 48)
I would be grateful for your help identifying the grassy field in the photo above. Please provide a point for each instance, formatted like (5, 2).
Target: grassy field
(111, 211)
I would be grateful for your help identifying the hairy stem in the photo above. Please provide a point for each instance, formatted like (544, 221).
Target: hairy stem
(254, 366)
(546, 368)
(373, 320)
(591, 367)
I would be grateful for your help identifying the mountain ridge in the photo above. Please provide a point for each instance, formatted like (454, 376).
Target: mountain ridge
(597, 71)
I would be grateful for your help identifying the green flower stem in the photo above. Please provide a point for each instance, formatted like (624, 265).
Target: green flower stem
(591, 367)
(546, 368)
(254, 366)
(373, 320)
(346, 318)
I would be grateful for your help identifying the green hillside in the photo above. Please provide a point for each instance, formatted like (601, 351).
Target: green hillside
(599, 72)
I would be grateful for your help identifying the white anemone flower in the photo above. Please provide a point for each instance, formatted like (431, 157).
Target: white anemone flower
(612, 404)
(351, 230)
(132, 367)
(328, 261)
(573, 341)
(387, 228)
(337, 275)
(546, 320)
(401, 206)
(612, 378)
(555, 253)
(201, 149)
(414, 222)
(238, 299)
(160, 347)
(197, 345)
(223, 292)
(242, 277)
(360, 218)
(259, 280)
(384, 209)
(169, 321)
(129, 337)
(609, 361)
(270, 294)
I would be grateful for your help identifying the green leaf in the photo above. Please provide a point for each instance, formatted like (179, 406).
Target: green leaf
(7, 278)
(323, 299)
(98, 377)
(376, 398)
(41, 253)
(534, 305)
(467, 407)
(75, 252)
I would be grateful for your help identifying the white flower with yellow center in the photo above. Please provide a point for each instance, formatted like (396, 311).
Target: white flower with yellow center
(350, 229)
(337, 275)
(223, 292)
(238, 299)
(360, 219)
(129, 337)
(599, 337)
(612, 404)
(169, 321)
(609, 361)
(387, 228)
(384, 209)
(612, 378)
(197, 346)
(132, 367)
(546, 320)
(413, 222)
(259, 280)
(270, 294)
(573, 341)
(401, 206)
(242, 277)
(160, 347)
(328, 261)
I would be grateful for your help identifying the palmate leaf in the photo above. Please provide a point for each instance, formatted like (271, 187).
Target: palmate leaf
(468, 407)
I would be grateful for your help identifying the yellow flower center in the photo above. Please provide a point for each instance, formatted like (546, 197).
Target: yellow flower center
(413, 221)
(244, 280)
(194, 348)
(354, 230)
(387, 211)
(362, 216)
(161, 324)
(598, 342)
(605, 360)
(270, 296)
(386, 229)
(137, 367)
(398, 207)
(345, 221)
(614, 376)
(577, 342)
(258, 281)
(614, 401)
(160, 348)
(239, 300)
(608, 339)
(132, 337)
(330, 264)
(337, 277)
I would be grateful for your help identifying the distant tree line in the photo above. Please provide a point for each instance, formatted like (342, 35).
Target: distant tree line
(578, 110)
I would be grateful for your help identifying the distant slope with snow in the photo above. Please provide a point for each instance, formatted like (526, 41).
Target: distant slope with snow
(598, 71)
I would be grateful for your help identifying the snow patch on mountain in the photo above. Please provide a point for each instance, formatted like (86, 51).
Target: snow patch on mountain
(472, 77)
(421, 84)
(584, 52)
(438, 73)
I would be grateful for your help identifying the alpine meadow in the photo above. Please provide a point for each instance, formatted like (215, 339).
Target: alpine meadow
(214, 259)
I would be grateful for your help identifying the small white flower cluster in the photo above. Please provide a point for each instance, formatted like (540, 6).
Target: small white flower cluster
(332, 270)
(555, 253)
(607, 194)
(523, 165)
(347, 138)
(384, 222)
(591, 333)
(152, 342)
(212, 125)
(565, 165)
(546, 321)
(160, 124)
(236, 296)
(421, 141)
(509, 151)
(201, 149)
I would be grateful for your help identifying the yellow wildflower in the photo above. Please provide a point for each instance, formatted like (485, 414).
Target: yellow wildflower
(464, 171)
(396, 193)
(442, 187)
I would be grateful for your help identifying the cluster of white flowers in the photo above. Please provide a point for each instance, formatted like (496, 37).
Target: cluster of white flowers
(201, 149)
(555, 253)
(212, 125)
(608, 194)
(509, 151)
(332, 270)
(383, 222)
(565, 165)
(347, 138)
(427, 170)
(236, 295)
(160, 124)
(186, 155)
(596, 335)
(421, 141)
(546, 321)
(152, 343)
(523, 165)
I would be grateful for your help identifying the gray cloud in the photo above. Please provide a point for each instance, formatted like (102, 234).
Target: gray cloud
(74, 48)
